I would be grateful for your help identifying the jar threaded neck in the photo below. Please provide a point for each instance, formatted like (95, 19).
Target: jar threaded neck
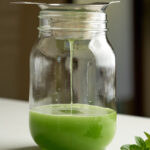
(67, 22)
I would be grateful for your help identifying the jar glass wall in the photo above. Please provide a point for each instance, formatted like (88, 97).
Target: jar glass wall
(72, 82)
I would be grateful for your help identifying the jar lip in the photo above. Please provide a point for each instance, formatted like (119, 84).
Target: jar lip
(95, 7)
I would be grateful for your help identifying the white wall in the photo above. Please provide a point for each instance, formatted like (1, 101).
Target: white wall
(120, 33)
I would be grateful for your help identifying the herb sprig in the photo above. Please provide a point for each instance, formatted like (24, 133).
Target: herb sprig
(141, 144)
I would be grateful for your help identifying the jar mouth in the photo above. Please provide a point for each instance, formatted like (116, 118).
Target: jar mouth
(84, 20)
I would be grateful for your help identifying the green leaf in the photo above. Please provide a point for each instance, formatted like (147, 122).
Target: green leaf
(147, 143)
(140, 142)
(147, 135)
(125, 147)
(135, 147)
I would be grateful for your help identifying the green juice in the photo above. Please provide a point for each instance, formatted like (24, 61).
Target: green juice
(72, 126)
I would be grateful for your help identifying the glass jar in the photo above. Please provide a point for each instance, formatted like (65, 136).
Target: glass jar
(72, 79)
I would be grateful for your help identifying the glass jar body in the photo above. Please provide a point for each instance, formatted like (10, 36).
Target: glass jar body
(93, 72)
(72, 93)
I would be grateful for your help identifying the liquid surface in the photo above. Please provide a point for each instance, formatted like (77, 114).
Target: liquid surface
(72, 126)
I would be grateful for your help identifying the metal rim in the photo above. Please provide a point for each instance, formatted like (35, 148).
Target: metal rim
(66, 6)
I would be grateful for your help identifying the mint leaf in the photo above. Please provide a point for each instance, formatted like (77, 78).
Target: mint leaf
(140, 142)
(130, 147)
(147, 143)
(135, 147)
(147, 135)
(125, 147)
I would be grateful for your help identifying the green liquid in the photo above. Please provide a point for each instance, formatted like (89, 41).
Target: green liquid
(80, 127)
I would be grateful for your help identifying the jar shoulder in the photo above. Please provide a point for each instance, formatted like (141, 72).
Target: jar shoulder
(51, 47)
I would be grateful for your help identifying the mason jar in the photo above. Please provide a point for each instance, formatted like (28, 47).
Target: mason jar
(72, 79)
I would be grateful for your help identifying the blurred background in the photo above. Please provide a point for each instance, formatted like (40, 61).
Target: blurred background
(129, 33)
